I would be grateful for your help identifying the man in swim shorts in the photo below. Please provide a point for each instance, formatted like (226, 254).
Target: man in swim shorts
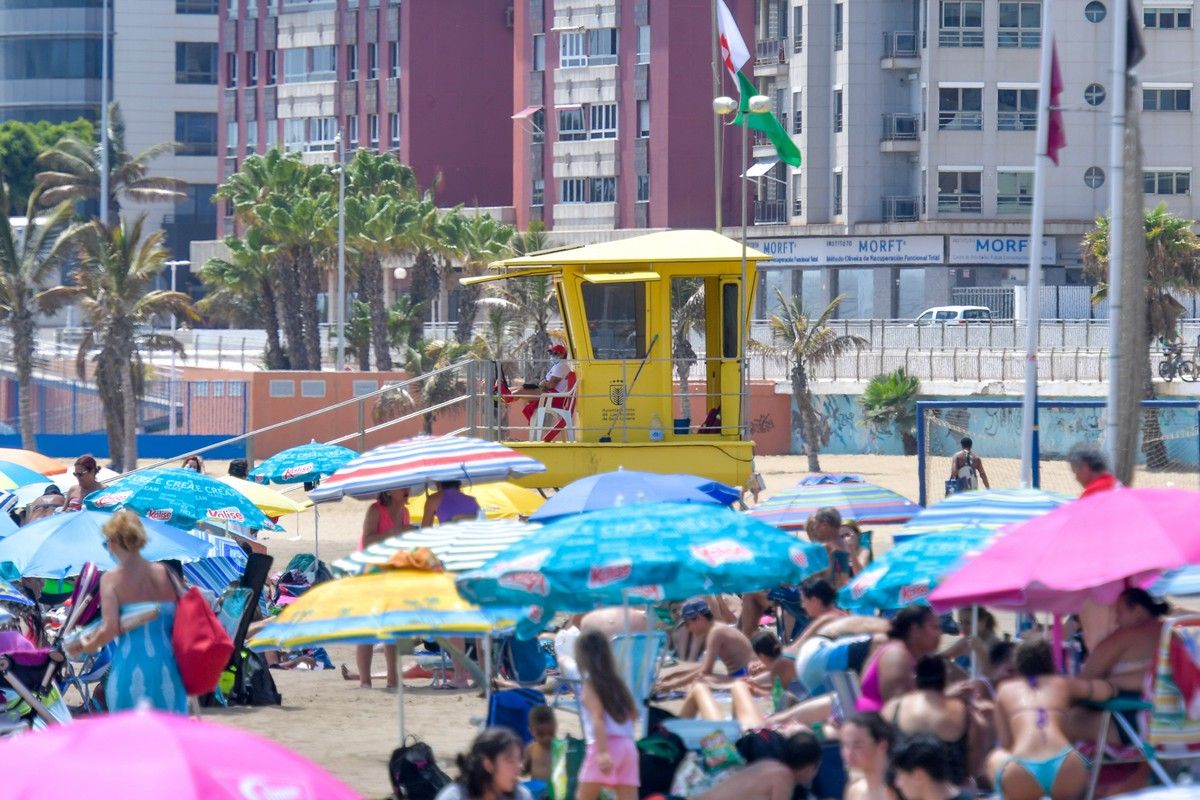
(721, 642)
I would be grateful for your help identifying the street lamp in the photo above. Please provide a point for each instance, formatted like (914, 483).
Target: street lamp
(104, 76)
(171, 384)
(341, 255)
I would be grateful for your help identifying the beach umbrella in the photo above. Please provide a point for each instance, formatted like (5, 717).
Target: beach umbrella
(828, 478)
(987, 508)
(31, 460)
(266, 499)
(67, 480)
(865, 503)
(58, 546)
(223, 563)
(152, 754)
(460, 546)
(418, 462)
(11, 594)
(646, 552)
(503, 500)
(179, 497)
(306, 463)
(14, 476)
(628, 486)
(908, 572)
(1181, 582)
(1091, 548)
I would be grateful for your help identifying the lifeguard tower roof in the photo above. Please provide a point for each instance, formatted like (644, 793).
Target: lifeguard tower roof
(665, 246)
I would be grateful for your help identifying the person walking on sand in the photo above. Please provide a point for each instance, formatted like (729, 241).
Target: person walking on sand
(387, 517)
(607, 713)
(85, 482)
(967, 468)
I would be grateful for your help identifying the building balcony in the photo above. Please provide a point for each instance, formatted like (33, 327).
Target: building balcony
(770, 212)
(901, 208)
(901, 50)
(770, 57)
(960, 204)
(901, 133)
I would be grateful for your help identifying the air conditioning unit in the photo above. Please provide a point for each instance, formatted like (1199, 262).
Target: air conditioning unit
(508, 17)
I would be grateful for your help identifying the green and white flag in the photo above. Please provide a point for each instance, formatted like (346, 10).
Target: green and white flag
(735, 55)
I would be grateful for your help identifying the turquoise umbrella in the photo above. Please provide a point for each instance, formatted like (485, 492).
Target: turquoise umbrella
(306, 463)
(179, 497)
(908, 572)
(642, 553)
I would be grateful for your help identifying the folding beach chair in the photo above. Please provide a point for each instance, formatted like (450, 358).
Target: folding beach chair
(638, 656)
(845, 688)
(1168, 726)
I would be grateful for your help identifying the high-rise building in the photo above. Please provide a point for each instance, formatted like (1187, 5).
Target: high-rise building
(613, 105)
(428, 79)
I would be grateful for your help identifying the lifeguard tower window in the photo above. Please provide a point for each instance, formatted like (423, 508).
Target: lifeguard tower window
(616, 318)
(729, 321)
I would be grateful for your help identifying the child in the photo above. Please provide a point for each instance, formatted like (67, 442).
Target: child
(608, 712)
(543, 726)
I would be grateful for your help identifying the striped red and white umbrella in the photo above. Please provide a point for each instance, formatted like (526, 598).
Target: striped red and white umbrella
(418, 462)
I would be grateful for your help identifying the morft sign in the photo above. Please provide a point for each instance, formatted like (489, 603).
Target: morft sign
(819, 251)
(999, 250)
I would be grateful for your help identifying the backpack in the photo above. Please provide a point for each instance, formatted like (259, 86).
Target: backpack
(253, 683)
(414, 771)
(659, 755)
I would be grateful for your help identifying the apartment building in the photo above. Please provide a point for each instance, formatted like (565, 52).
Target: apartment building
(50, 60)
(612, 105)
(916, 120)
(427, 79)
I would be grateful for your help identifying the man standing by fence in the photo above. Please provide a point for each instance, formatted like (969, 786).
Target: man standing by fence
(966, 470)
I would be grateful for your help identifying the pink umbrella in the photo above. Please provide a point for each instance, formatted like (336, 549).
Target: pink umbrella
(1088, 549)
(149, 754)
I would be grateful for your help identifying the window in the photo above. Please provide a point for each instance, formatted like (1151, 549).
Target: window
(837, 26)
(393, 59)
(352, 130)
(1167, 182)
(1095, 11)
(1167, 18)
(1094, 94)
(231, 138)
(196, 62)
(837, 193)
(604, 121)
(602, 190)
(837, 111)
(196, 6)
(373, 129)
(394, 130)
(1014, 192)
(1167, 99)
(271, 73)
(539, 52)
(571, 190)
(570, 125)
(570, 50)
(960, 192)
(1020, 24)
(252, 68)
(538, 123)
(1093, 178)
(235, 388)
(251, 137)
(602, 46)
(643, 188)
(643, 118)
(537, 194)
(294, 135)
(372, 61)
(351, 62)
(312, 388)
(272, 139)
(321, 134)
(231, 64)
(797, 195)
(960, 109)
(295, 65)
(616, 314)
(962, 23)
(643, 48)
(1016, 109)
(196, 132)
(797, 113)
(281, 388)
(798, 29)
(324, 63)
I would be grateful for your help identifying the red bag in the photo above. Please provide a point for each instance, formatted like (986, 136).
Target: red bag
(202, 647)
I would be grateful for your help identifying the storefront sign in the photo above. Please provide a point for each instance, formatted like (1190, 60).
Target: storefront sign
(818, 251)
(999, 250)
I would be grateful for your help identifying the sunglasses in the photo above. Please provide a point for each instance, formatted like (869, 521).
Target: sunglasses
(81, 474)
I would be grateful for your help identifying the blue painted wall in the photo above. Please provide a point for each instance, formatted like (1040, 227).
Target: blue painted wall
(149, 445)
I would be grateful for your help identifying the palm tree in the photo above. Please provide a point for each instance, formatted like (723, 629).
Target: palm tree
(28, 262)
(803, 342)
(890, 401)
(434, 389)
(113, 286)
(72, 170)
(247, 278)
(476, 240)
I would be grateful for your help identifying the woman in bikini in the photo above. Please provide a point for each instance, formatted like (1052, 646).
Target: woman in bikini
(1035, 758)
(927, 709)
(914, 632)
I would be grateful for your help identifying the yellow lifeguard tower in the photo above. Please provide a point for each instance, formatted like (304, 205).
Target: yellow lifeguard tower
(628, 407)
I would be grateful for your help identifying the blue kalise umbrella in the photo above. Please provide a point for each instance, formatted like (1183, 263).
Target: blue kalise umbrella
(306, 463)
(628, 486)
(58, 546)
(179, 497)
(646, 552)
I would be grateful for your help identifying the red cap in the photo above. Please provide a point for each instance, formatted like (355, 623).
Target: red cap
(557, 349)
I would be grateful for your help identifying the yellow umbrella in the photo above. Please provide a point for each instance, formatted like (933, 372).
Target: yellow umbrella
(266, 499)
(498, 500)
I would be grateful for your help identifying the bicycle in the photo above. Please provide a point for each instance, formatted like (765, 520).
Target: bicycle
(1174, 363)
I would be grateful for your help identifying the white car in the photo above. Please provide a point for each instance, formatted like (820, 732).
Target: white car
(953, 315)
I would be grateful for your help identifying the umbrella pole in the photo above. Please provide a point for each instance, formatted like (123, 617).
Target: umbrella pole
(1058, 642)
(487, 670)
(317, 534)
(400, 694)
(974, 635)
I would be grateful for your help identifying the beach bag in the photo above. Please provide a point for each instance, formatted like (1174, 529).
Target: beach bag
(659, 755)
(414, 771)
(202, 646)
(566, 758)
(256, 685)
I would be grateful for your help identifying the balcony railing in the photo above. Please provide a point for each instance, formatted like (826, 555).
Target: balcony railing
(798, 42)
(960, 120)
(901, 127)
(960, 203)
(901, 208)
(770, 51)
(1014, 203)
(1019, 37)
(960, 37)
(797, 206)
(1016, 120)
(770, 212)
(900, 44)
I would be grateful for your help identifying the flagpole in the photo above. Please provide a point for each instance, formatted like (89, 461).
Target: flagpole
(1033, 286)
(716, 78)
(1116, 219)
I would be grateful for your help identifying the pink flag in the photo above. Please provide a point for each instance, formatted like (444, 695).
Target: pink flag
(1056, 139)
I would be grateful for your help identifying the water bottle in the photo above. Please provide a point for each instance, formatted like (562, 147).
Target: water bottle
(777, 694)
(656, 428)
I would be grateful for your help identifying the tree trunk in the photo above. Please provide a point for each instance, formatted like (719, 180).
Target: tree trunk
(310, 288)
(468, 309)
(538, 344)
(288, 299)
(370, 283)
(23, 333)
(112, 400)
(276, 358)
(427, 422)
(129, 452)
(804, 418)
(423, 289)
